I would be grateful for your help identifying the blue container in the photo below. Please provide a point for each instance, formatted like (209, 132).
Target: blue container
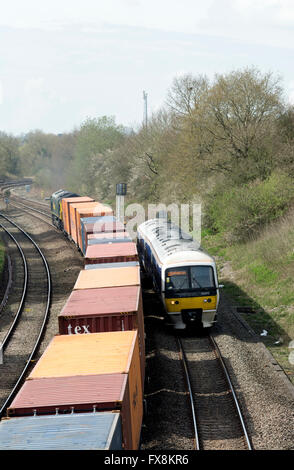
(92, 220)
(78, 431)
(112, 265)
(96, 241)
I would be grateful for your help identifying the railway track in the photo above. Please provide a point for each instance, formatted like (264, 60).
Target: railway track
(217, 418)
(33, 204)
(38, 209)
(24, 317)
(41, 215)
(39, 204)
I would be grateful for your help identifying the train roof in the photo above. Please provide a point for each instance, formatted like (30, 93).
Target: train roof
(63, 193)
(171, 244)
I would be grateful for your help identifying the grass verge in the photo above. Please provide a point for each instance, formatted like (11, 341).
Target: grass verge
(259, 275)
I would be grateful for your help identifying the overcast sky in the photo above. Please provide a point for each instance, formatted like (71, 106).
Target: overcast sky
(63, 61)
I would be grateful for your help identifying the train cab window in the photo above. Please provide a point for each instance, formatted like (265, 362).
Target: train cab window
(187, 279)
(202, 276)
(177, 279)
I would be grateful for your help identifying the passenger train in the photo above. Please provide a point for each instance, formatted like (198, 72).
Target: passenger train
(183, 274)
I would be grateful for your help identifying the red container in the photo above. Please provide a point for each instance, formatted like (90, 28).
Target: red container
(76, 394)
(90, 227)
(108, 237)
(103, 238)
(102, 310)
(112, 226)
(111, 253)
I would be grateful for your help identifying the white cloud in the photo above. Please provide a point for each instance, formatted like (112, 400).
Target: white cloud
(171, 15)
(1, 92)
(62, 59)
(261, 21)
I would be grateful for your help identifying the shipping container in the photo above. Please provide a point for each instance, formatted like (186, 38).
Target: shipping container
(90, 225)
(106, 309)
(111, 253)
(114, 237)
(81, 431)
(112, 277)
(76, 394)
(65, 209)
(93, 210)
(85, 308)
(72, 215)
(111, 265)
(95, 354)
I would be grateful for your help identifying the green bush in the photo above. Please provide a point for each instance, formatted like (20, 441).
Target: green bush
(241, 212)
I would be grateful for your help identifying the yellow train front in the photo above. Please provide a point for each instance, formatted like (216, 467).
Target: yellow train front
(182, 273)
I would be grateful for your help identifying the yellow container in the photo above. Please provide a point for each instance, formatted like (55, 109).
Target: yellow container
(96, 354)
(108, 277)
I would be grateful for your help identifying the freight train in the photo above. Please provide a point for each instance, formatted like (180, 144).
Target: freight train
(86, 390)
(183, 274)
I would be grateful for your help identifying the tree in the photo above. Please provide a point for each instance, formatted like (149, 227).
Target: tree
(36, 152)
(9, 155)
(285, 130)
(95, 139)
(186, 94)
(239, 119)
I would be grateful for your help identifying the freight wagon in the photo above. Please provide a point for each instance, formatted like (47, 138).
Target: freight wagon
(87, 431)
(99, 225)
(111, 253)
(65, 203)
(86, 390)
(88, 373)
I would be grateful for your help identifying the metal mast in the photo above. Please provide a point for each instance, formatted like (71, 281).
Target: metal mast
(145, 118)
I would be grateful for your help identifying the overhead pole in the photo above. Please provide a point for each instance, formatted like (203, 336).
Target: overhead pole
(121, 191)
(145, 115)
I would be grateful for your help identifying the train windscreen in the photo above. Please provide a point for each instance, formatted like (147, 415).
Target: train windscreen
(189, 279)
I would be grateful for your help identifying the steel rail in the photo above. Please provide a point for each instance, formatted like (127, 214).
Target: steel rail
(232, 391)
(30, 209)
(184, 361)
(49, 285)
(14, 203)
(39, 203)
(25, 265)
(8, 286)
